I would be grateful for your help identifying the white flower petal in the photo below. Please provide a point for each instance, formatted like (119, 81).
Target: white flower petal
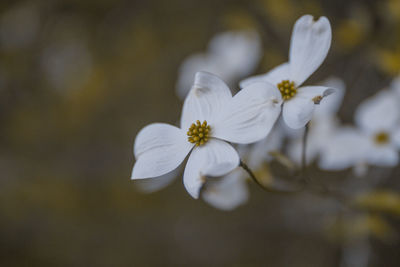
(238, 52)
(229, 192)
(157, 183)
(215, 158)
(309, 46)
(315, 92)
(230, 55)
(330, 105)
(274, 76)
(378, 113)
(250, 115)
(395, 86)
(190, 66)
(396, 137)
(205, 100)
(159, 148)
(298, 111)
(360, 169)
(287, 131)
(345, 149)
(385, 156)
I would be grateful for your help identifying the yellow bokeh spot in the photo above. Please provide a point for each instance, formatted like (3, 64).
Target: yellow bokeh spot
(349, 34)
(389, 61)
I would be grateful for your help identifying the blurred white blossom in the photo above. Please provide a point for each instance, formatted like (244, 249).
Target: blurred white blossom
(230, 55)
(346, 148)
(378, 118)
(229, 192)
(374, 141)
(309, 46)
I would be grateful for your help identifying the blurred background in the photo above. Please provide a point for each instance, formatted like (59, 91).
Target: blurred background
(79, 79)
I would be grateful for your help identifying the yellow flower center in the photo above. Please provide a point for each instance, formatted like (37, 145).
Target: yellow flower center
(382, 138)
(287, 89)
(198, 133)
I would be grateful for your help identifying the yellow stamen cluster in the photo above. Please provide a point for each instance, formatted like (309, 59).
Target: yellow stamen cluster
(287, 89)
(199, 133)
(382, 138)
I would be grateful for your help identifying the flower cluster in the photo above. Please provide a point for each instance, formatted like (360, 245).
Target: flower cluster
(219, 131)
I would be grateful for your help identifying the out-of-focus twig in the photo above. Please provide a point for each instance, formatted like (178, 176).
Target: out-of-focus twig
(304, 152)
(269, 188)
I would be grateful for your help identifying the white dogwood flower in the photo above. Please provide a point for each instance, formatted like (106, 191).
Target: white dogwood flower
(210, 117)
(230, 55)
(309, 46)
